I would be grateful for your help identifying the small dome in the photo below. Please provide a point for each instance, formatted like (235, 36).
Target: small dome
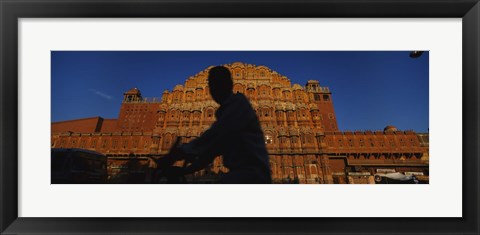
(294, 132)
(297, 87)
(178, 87)
(196, 109)
(166, 92)
(301, 106)
(390, 128)
(237, 64)
(282, 132)
(133, 91)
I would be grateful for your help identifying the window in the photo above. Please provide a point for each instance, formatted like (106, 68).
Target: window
(331, 116)
(326, 97)
(94, 143)
(268, 139)
(316, 97)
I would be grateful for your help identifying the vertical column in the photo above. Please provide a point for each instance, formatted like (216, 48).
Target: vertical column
(328, 178)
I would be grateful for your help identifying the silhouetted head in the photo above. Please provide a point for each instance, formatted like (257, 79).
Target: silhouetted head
(220, 83)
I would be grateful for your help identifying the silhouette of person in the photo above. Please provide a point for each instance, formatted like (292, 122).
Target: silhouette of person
(236, 135)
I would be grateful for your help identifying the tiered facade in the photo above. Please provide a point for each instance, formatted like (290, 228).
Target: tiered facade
(299, 124)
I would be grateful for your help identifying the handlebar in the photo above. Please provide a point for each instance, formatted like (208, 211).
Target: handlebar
(166, 168)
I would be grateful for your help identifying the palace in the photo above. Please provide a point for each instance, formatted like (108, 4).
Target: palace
(299, 123)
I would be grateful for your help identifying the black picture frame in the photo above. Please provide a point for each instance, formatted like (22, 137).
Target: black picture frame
(12, 10)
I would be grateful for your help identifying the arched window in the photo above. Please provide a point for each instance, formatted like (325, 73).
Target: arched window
(167, 140)
(199, 94)
(94, 143)
(309, 138)
(268, 139)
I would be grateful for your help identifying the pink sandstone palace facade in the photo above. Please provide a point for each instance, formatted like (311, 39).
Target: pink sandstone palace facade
(299, 123)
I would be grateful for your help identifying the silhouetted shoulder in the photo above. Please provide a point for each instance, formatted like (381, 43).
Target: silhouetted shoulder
(240, 100)
(240, 96)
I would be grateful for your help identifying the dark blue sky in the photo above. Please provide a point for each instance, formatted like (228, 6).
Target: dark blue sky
(370, 90)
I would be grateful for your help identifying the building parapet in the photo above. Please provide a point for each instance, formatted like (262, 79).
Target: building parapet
(144, 100)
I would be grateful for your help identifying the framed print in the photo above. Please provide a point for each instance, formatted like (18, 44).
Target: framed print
(346, 101)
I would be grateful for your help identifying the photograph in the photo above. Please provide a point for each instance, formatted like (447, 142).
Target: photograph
(240, 117)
